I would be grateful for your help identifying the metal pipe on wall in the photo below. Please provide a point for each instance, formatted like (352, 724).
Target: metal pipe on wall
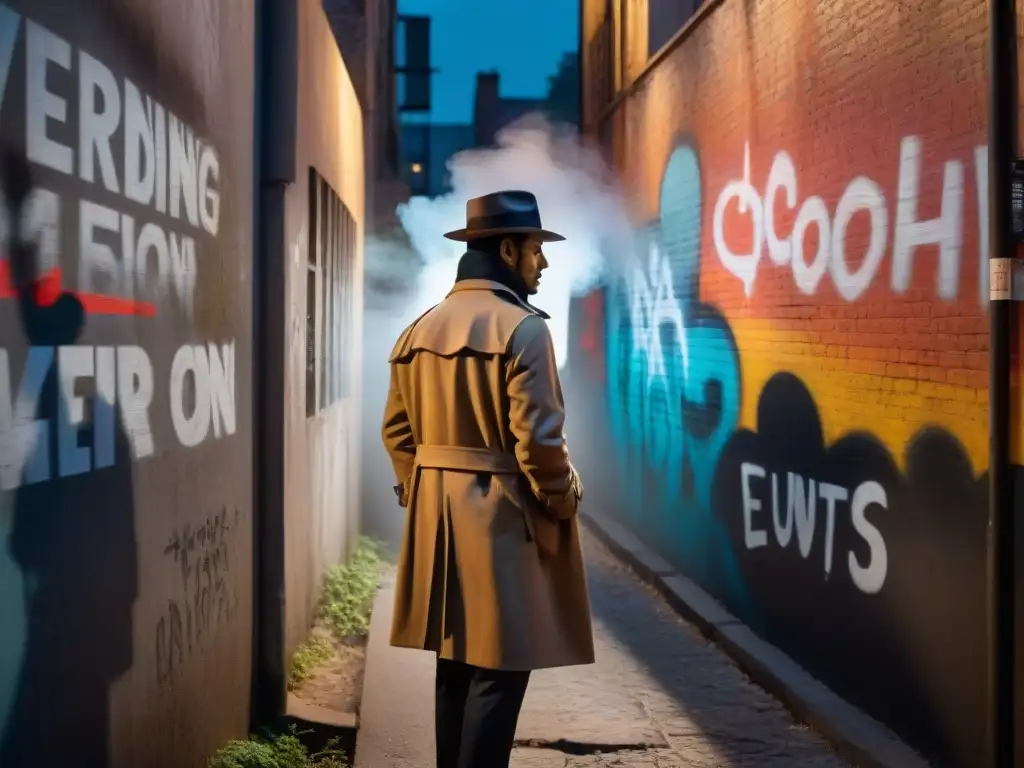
(277, 43)
(1002, 125)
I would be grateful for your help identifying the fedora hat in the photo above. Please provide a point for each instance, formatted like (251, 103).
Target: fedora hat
(503, 213)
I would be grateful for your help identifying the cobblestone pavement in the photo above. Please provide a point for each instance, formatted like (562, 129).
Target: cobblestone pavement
(659, 696)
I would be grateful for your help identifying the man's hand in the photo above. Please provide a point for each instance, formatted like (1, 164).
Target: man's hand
(402, 493)
(576, 483)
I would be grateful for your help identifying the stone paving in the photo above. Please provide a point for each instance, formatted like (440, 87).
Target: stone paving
(659, 696)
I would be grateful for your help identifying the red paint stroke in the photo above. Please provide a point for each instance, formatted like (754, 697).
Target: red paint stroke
(49, 287)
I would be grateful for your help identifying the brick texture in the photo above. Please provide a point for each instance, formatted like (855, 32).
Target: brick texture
(814, 302)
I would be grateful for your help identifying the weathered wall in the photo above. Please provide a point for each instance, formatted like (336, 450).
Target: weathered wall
(794, 370)
(321, 452)
(125, 502)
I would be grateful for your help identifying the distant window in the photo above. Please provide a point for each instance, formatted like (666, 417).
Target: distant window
(418, 178)
(329, 275)
(665, 18)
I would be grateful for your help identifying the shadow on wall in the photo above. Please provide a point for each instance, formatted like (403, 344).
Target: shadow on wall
(72, 537)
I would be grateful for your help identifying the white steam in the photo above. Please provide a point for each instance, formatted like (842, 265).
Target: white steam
(577, 196)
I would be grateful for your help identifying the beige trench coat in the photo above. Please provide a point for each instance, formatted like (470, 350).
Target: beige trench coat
(491, 571)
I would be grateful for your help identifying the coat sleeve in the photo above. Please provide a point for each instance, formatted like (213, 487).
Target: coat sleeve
(398, 439)
(537, 417)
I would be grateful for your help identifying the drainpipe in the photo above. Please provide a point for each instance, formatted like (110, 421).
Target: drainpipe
(276, 119)
(1002, 153)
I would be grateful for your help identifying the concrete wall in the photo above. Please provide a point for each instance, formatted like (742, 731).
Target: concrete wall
(321, 451)
(365, 31)
(125, 482)
(793, 370)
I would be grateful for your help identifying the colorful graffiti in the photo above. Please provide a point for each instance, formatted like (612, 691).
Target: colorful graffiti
(737, 443)
(835, 231)
(673, 378)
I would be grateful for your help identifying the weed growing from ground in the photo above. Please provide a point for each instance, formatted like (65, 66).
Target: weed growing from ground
(312, 654)
(344, 608)
(349, 589)
(343, 613)
(283, 751)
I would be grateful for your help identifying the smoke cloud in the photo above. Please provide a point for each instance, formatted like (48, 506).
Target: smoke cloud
(578, 198)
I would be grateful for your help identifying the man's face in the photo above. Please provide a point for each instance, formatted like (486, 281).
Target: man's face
(530, 261)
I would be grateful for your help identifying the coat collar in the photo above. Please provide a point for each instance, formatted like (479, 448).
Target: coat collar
(501, 290)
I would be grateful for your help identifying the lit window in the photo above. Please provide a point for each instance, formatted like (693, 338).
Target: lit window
(417, 168)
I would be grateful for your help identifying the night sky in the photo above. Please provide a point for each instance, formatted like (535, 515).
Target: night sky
(523, 39)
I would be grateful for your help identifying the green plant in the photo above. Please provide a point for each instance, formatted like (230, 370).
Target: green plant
(312, 654)
(349, 589)
(281, 751)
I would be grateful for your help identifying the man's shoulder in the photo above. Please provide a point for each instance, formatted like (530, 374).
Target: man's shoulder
(531, 332)
(480, 320)
(402, 344)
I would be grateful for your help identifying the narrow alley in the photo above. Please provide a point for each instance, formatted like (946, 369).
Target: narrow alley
(767, 252)
(659, 696)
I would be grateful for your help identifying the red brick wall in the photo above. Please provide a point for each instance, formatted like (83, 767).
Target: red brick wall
(855, 355)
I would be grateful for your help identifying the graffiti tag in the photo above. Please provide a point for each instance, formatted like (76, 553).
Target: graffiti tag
(802, 500)
(207, 601)
(673, 373)
(862, 194)
(202, 401)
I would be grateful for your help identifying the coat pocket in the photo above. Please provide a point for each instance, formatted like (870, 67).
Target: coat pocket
(538, 526)
(544, 529)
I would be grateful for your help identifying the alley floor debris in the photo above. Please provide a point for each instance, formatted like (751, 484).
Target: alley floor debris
(659, 696)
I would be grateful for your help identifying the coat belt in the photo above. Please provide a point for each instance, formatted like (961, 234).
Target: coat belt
(460, 459)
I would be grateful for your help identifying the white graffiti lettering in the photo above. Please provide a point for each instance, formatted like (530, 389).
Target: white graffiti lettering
(862, 194)
(653, 304)
(121, 391)
(164, 171)
(213, 373)
(800, 511)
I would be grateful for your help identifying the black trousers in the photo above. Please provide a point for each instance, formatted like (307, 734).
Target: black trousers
(475, 715)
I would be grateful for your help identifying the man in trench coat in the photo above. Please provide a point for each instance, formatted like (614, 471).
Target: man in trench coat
(490, 575)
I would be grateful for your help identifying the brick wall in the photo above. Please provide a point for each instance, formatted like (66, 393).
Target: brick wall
(804, 316)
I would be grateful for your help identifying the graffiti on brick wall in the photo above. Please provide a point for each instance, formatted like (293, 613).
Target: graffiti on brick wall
(895, 226)
(796, 511)
(739, 481)
(838, 535)
(206, 602)
(674, 389)
(673, 372)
